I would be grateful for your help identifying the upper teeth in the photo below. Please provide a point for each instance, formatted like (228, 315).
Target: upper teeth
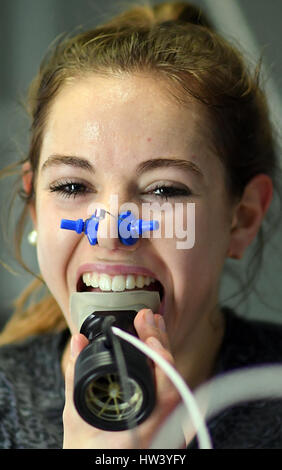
(116, 283)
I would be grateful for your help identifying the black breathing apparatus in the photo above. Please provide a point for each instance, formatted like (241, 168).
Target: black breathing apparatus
(114, 385)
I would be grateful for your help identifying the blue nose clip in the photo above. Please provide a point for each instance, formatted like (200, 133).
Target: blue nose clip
(129, 228)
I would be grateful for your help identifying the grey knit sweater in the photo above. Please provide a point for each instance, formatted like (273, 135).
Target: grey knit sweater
(32, 393)
(32, 390)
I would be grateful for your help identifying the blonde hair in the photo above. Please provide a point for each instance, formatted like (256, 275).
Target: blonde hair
(176, 41)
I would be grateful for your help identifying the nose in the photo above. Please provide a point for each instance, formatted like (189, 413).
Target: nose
(112, 233)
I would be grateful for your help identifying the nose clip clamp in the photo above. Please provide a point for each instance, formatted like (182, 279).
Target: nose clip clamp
(129, 228)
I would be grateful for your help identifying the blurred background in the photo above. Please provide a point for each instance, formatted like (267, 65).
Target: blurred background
(27, 27)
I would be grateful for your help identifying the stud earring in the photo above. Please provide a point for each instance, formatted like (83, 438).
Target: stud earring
(32, 237)
(233, 255)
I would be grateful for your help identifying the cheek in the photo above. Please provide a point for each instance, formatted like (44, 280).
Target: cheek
(54, 248)
(196, 271)
(212, 235)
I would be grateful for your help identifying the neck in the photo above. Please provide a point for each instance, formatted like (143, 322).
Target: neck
(195, 360)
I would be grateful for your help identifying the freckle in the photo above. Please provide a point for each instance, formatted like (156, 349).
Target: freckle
(149, 139)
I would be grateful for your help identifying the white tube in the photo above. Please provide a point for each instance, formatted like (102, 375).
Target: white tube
(241, 386)
(184, 391)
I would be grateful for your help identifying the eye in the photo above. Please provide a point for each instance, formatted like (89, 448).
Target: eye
(166, 192)
(70, 188)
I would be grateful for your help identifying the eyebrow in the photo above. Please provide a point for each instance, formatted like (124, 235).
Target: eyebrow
(78, 162)
(157, 163)
(143, 167)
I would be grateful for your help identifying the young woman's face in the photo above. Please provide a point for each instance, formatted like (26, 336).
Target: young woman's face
(119, 132)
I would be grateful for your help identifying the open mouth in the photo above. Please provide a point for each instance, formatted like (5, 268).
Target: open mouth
(100, 282)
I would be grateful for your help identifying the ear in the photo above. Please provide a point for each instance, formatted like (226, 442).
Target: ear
(27, 181)
(249, 213)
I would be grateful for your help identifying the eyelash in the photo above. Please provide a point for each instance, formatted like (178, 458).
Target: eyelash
(70, 189)
(172, 191)
(73, 189)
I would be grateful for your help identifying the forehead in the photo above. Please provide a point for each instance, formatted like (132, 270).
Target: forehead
(123, 100)
(114, 116)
